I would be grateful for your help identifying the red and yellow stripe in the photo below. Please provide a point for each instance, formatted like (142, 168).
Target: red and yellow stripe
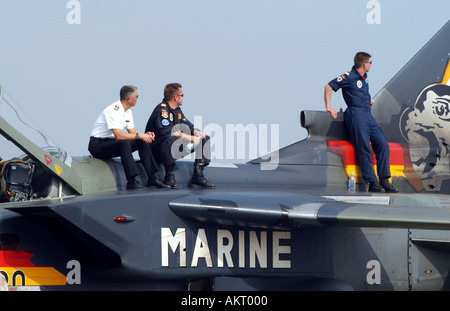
(400, 162)
(22, 272)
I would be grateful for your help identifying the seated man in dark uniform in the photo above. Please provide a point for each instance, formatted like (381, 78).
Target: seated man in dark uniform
(113, 135)
(175, 137)
(360, 123)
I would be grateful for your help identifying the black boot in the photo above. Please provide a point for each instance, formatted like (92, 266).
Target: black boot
(169, 179)
(198, 180)
(133, 184)
(153, 181)
(374, 186)
(387, 186)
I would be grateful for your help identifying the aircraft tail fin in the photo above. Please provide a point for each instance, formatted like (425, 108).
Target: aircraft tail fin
(429, 69)
(413, 110)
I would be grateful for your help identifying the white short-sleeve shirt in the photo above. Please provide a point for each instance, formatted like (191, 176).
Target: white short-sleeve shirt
(113, 117)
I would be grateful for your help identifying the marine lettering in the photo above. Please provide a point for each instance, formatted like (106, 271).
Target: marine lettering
(250, 247)
(258, 250)
(175, 241)
(201, 249)
(224, 250)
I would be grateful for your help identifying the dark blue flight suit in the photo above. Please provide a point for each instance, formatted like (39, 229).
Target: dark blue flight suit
(362, 126)
(161, 122)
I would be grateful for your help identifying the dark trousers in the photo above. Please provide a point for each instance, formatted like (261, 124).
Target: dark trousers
(364, 130)
(107, 148)
(171, 149)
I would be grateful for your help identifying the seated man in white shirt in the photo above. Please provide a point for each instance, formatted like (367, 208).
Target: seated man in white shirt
(114, 135)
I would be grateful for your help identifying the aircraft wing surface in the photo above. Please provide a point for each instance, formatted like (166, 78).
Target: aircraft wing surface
(271, 209)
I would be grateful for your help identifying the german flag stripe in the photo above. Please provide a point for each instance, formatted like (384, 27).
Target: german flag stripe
(399, 158)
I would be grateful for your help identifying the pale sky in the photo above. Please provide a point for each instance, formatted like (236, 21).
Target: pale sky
(250, 62)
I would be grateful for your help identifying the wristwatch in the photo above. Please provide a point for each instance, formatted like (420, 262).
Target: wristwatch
(137, 136)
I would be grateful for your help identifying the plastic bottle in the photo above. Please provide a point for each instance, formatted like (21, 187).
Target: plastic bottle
(352, 183)
(191, 146)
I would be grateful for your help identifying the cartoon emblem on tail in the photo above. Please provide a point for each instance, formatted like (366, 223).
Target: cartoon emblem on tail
(426, 127)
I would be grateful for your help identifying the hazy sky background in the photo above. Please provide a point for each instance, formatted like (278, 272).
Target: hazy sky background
(240, 61)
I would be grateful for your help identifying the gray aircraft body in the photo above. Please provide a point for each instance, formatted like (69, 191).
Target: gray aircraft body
(67, 223)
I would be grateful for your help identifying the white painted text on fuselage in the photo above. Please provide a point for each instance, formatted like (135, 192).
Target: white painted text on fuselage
(250, 248)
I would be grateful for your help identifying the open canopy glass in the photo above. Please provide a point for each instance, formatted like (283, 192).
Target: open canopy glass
(21, 122)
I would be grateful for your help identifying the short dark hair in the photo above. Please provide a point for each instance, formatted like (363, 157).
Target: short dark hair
(127, 91)
(361, 58)
(170, 90)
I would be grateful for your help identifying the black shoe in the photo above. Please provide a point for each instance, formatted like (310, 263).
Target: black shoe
(201, 182)
(154, 182)
(198, 180)
(374, 186)
(387, 186)
(133, 185)
(170, 181)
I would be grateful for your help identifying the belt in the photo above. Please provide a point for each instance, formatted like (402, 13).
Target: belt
(101, 139)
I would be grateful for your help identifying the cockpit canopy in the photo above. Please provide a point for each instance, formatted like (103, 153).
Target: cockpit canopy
(22, 122)
(32, 166)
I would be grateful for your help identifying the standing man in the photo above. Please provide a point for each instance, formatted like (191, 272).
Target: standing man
(109, 139)
(176, 138)
(361, 124)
